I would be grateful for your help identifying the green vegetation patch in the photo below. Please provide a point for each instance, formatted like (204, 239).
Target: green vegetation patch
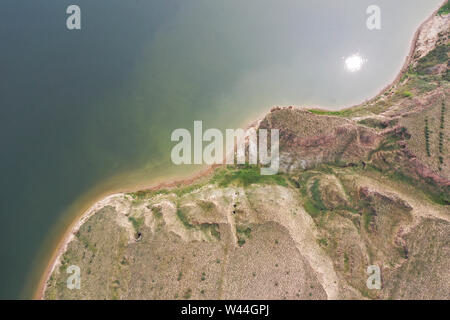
(157, 212)
(421, 84)
(342, 113)
(435, 194)
(314, 205)
(311, 208)
(446, 76)
(183, 218)
(211, 228)
(207, 228)
(316, 195)
(179, 191)
(391, 141)
(407, 94)
(145, 194)
(136, 222)
(438, 195)
(206, 206)
(185, 190)
(436, 56)
(245, 175)
(445, 9)
(373, 123)
(243, 233)
(368, 214)
(352, 111)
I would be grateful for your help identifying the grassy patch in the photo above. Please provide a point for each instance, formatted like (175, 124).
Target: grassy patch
(242, 234)
(185, 190)
(207, 228)
(346, 262)
(244, 231)
(157, 212)
(183, 218)
(314, 205)
(207, 206)
(311, 208)
(421, 84)
(136, 222)
(446, 75)
(368, 216)
(316, 195)
(303, 180)
(212, 229)
(145, 194)
(373, 123)
(179, 191)
(341, 113)
(245, 175)
(407, 94)
(436, 195)
(445, 9)
(436, 56)
(427, 187)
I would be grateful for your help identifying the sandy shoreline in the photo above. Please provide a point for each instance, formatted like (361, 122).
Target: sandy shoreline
(97, 204)
(406, 63)
(85, 215)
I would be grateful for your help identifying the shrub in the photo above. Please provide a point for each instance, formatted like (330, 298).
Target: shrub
(427, 138)
(407, 94)
(188, 294)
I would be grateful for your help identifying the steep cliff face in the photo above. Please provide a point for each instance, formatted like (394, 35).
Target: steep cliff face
(366, 186)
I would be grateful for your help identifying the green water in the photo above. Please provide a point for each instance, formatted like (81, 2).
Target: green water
(84, 113)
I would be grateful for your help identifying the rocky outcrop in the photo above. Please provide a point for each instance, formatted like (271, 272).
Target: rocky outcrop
(307, 140)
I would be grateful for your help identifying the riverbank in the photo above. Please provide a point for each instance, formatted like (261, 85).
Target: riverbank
(423, 28)
(92, 206)
(85, 215)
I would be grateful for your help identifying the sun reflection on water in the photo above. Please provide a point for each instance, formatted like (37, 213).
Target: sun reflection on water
(354, 62)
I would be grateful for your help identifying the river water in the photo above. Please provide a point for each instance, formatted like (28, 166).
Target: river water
(87, 112)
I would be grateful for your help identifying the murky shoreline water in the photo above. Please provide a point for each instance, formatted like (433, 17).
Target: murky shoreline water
(90, 113)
